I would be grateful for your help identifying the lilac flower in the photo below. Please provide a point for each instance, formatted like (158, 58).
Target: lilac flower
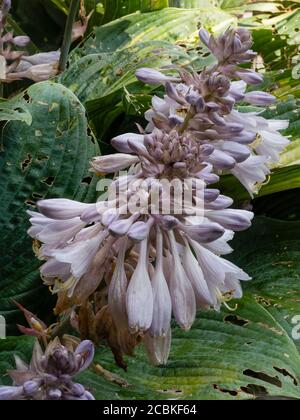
(204, 104)
(80, 240)
(152, 260)
(49, 376)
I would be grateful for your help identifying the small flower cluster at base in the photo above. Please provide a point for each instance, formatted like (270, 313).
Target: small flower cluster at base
(150, 264)
(50, 374)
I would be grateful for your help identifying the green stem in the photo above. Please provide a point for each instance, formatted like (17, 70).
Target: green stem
(65, 49)
(185, 124)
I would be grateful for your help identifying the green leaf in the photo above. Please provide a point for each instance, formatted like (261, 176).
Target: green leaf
(103, 66)
(14, 110)
(47, 159)
(99, 79)
(98, 75)
(19, 346)
(172, 25)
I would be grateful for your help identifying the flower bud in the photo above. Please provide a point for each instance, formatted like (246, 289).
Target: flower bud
(21, 41)
(154, 77)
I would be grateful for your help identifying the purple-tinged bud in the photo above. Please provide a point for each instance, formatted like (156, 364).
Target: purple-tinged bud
(120, 143)
(21, 41)
(88, 396)
(54, 394)
(220, 203)
(203, 233)
(172, 93)
(207, 150)
(122, 226)
(246, 137)
(61, 208)
(139, 297)
(212, 106)
(140, 230)
(86, 350)
(42, 58)
(31, 387)
(154, 77)
(249, 76)
(109, 216)
(232, 219)
(200, 105)
(9, 393)
(221, 160)
(211, 195)
(112, 163)
(77, 390)
(259, 98)
(204, 36)
(193, 98)
(238, 151)
(40, 72)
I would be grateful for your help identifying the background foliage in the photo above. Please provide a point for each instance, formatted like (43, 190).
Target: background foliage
(52, 129)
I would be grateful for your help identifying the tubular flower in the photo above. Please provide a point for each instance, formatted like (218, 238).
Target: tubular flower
(15, 64)
(155, 245)
(50, 374)
(204, 105)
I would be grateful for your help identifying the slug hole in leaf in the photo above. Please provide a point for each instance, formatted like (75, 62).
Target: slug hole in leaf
(255, 390)
(37, 196)
(263, 377)
(236, 320)
(26, 162)
(87, 180)
(49, 180)
(233, 393)
(30, 203)
(284, 372)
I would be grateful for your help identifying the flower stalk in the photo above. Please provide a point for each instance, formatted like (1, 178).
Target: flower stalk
(67, 41)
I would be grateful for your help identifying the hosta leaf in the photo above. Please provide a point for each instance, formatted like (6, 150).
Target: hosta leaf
(228, 355)
(103, 66)
(14, 110)
(286, 23)
(49, 158)
(98, 75)
(100, 80)
(172, 25)
(19, 346)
